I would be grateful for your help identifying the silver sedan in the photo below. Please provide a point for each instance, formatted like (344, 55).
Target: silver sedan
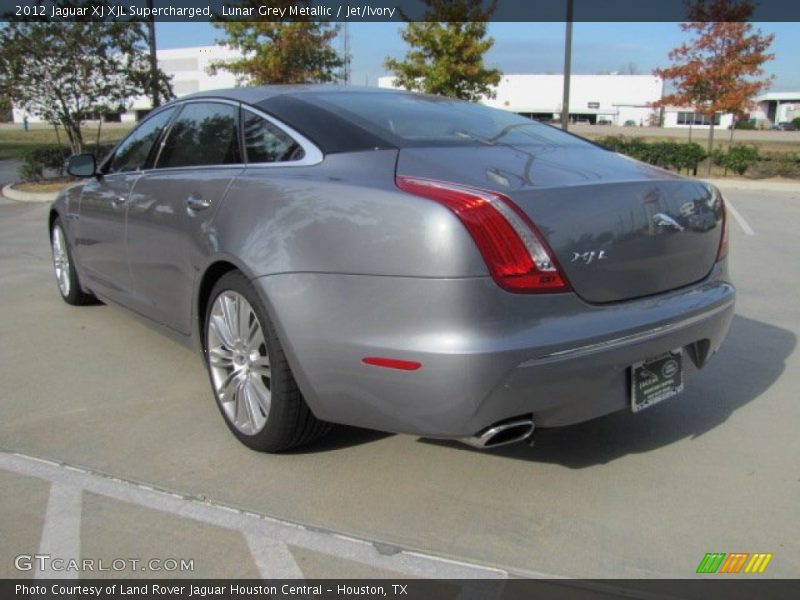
(399, 262)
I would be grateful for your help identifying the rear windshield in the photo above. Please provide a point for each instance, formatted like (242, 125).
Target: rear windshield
(417, 119)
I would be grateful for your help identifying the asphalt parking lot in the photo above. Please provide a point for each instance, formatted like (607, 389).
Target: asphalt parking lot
(8, 171)
(158, 474)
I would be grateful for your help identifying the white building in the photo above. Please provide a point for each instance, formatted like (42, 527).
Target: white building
(776, 107)
(676, 116)
(188, 70)
(612, 99)
(768, 109)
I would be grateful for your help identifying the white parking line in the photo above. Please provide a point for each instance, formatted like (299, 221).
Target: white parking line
(273, 558)
(739, 218)
(61, 533)
(267, 537)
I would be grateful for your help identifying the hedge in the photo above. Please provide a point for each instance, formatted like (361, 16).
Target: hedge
(39, 158)
(668, 155)
(738, 158)
(53, 158)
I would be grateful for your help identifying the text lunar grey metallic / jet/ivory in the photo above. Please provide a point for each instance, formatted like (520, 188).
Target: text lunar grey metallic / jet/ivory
(401, 262)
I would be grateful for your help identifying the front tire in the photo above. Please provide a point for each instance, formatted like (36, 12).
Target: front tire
(66, 275)
(250, 376)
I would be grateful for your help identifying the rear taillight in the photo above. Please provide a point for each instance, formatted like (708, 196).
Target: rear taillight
(514, 251)
(722, 251)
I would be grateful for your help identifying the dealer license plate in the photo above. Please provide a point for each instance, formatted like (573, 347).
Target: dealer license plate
(656, 379)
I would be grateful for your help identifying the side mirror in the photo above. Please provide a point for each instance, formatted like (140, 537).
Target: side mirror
(82, 165)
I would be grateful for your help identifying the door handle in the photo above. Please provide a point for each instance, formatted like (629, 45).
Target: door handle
(195, 203)
(117, 200)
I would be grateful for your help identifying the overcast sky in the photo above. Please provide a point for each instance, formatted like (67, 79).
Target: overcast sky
(534, 47)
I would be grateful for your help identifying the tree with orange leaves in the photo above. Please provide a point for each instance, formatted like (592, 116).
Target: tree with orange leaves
(720, 69)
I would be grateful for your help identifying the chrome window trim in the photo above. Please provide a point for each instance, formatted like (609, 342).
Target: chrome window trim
(238, 166)
(312, 155)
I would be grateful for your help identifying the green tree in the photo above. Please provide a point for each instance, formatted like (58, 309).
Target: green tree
(68, 72)
(447, 51)
(719, 69)
(297, 51)
(6, 113)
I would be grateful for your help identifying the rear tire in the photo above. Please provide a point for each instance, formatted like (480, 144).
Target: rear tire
(66, 275)
(255, 390)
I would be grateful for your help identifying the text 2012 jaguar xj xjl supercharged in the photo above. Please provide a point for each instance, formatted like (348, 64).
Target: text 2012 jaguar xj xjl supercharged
(399, 262)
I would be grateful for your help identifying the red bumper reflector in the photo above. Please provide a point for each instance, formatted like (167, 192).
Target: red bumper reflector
(391, 363)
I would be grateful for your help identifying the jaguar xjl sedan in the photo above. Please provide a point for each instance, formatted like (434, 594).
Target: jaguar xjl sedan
(401, 262)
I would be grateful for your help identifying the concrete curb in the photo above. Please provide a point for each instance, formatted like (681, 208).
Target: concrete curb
(20, 196)
(755, 185)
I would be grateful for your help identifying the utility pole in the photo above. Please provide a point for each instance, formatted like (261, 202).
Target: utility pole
(567, 67)
(346, 53)
(151, 40)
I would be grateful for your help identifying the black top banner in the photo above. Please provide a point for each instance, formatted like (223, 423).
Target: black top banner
(377, 10)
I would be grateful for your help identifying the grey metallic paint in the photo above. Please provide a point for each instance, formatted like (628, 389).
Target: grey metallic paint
(487, 355)
(584, 199)
(349, 266)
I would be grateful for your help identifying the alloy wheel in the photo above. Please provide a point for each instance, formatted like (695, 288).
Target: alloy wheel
(239, 362)
(61, 260)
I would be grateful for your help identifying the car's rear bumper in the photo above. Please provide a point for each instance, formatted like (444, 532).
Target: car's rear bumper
(584, 382)
(486, 355)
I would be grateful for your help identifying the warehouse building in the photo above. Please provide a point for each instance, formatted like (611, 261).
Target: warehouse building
(776, 107)
(612, 99)
(681, 117)
(188, 69)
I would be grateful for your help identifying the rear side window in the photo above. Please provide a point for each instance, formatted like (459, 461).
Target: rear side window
(203, 134)
(266, 143)
(132, 153)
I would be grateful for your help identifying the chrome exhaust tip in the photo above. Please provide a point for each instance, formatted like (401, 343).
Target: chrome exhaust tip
(509, 432)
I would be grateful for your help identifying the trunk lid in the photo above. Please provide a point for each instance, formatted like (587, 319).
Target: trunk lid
(619, 229)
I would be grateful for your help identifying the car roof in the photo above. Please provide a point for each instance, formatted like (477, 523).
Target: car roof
(256, 94)
(294, 106)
